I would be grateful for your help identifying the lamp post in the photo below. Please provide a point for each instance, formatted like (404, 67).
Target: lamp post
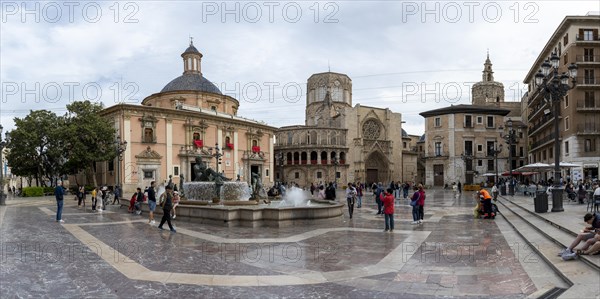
(279, 156)
(336, 162)
(553, 87)
(217, 155)
(510, 136)
(494, 151)
(120, 147)
(2, 145)
(468, 158)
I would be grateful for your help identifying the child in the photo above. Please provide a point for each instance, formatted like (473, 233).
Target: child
(175, 202)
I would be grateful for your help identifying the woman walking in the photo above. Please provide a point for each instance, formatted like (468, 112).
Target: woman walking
(388, 209)
(421, 203)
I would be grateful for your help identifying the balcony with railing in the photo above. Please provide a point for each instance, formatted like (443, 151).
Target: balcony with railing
(588, 129)
(582, 80)
(535, 110)
(590, 105)
(540, 124)
(542, 141)
(592, 38)
(583, 59)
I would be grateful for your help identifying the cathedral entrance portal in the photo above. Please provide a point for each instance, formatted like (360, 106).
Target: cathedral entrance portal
(371, 176)
(376, 168)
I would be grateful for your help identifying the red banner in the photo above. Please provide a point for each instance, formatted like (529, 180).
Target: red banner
(229, 145)
(198, 143)
(256, 149)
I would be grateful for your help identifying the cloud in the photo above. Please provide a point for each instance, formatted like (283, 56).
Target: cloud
(385, 47)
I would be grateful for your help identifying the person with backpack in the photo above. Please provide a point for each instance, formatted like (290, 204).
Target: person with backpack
(166, 202)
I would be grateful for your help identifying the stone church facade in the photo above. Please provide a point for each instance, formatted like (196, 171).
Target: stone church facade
(188, 118)
(339, 142)
(460, 140)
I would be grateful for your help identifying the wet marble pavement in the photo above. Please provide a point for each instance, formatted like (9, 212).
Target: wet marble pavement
(116, 254)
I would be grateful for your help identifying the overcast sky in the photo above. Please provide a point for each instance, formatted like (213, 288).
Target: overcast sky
(403, 55)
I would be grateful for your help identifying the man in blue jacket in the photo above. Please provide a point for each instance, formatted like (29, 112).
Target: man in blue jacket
(59, 193)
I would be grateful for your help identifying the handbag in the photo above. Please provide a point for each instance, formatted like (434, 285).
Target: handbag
(413, 203)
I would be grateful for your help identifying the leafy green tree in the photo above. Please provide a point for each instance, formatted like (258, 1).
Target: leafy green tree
(35, 147)
(89, 138)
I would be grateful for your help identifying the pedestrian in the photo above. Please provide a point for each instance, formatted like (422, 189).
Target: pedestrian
(414, 202)
(117, 194)
(421, 203)
(495, 192)
(486, 200)
(80, 195)
(459, 188)
(151, 202)
(312, 189)
(166, 202)
(94, 198)
(139, 198)
(405, 189)
(359, 194)
(388, 209)
(350, 198)
(378, 192)
(175, 202)
(321, 194)
(59, 193)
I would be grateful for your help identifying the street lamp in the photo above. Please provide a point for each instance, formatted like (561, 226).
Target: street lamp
(120, 148)
(280, 157)
(553, 87)
(494, 151)
(336, 162)
(2, 145)
(510, 136)
(468, 158)
(217, 155)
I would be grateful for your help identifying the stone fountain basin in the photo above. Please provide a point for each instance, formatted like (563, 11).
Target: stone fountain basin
(255, 215)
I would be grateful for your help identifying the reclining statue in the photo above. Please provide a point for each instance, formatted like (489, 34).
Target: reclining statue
(206, 174)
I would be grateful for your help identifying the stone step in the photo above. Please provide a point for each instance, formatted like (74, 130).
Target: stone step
(565, 235)
(581, 278)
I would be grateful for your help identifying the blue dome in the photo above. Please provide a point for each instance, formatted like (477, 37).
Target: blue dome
(191, 82)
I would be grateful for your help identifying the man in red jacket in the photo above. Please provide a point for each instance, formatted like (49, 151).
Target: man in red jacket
(387, 198)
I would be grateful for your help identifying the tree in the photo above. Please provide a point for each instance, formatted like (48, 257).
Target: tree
(35, 147)
(89, 137)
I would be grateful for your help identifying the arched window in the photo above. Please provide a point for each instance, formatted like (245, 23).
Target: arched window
(227, 140)
(323, 157)
(254, 142)
(342, 158)
(296, 158)
(289, 158)
(303, 158)
(313, 137)
(313, 157)
(196, 136)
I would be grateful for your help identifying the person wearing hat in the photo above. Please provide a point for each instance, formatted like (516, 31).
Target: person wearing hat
(175, 202)
(166, 202)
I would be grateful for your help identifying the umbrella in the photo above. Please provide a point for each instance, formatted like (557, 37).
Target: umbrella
(488, 174)
(535, 167)
(529, 173)
(565, 165)
(506, 173)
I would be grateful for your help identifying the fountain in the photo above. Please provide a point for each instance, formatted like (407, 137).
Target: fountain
(215, 199)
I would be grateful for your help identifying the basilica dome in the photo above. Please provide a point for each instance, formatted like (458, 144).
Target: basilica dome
(191, 82)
